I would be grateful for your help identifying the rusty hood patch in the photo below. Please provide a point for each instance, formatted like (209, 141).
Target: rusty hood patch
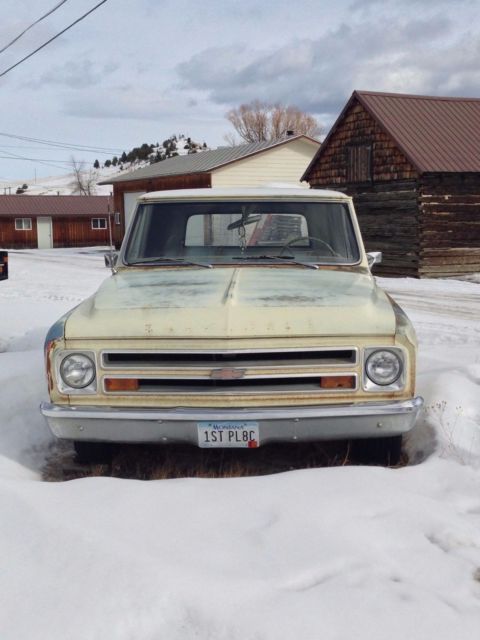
(228, 302)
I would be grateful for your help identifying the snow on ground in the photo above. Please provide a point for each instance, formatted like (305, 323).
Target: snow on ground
(64, 185)
(333, 553)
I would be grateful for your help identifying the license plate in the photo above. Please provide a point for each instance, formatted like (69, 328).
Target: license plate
(228, 433)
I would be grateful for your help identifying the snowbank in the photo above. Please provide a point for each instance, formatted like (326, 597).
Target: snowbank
(360, 552)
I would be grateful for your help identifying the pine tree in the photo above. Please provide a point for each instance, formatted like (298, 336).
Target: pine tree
(96, 164)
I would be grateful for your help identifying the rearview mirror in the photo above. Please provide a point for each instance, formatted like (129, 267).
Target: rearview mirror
(111, 259)
(374, 257)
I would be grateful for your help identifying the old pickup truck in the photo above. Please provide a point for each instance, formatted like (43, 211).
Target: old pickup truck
(236, 318)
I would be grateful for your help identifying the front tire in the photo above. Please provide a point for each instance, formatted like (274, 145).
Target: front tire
(378, 451)
(92, 452)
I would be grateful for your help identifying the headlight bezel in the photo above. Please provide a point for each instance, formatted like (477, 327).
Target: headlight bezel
(63, 385)
(398, 383)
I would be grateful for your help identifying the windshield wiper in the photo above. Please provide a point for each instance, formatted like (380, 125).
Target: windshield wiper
(164, 259)
(285, 259)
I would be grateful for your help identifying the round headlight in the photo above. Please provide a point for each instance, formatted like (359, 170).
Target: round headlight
(77, 370)
(383, 367)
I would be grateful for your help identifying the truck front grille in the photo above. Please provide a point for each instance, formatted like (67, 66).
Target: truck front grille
(208, 359)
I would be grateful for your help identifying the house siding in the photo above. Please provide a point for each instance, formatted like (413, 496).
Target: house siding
(10, 238)
(66, 232)
(357, 128)
(285, 163)
(191, 181)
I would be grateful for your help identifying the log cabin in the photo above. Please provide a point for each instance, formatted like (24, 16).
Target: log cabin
(412, 165)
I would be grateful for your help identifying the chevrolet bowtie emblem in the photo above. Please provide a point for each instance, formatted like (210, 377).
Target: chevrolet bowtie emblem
(227, 374)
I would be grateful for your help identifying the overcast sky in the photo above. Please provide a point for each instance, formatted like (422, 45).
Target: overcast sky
(140, 70)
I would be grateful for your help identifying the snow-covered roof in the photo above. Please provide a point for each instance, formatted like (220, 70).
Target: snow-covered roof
(204, 161)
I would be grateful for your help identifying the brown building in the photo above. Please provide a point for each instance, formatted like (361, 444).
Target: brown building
(248, 165)
(412, 165)
(43, 222)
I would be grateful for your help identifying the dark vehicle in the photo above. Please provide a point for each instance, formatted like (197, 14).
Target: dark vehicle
(3, 265)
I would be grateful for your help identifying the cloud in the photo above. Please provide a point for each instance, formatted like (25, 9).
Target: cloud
(411, 56)
(422, 5)
(130, 102)
(76, 74)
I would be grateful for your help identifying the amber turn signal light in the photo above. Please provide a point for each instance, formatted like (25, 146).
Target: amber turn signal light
(121, 384)
(337, 382)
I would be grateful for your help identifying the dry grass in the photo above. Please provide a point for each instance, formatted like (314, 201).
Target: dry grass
(186, 461)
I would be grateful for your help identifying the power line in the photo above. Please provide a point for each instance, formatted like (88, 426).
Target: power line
(15, 156)
(49, 13)
(9, 157)
(63, 145)
(52, 39)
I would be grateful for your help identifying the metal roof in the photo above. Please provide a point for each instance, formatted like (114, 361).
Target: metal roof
(436, 134)
(56, 206)
(204, 161)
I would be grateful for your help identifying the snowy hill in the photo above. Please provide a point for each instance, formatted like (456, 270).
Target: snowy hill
(65, 185)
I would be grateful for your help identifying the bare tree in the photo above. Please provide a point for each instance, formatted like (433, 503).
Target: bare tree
(84, 181)
(259, 121)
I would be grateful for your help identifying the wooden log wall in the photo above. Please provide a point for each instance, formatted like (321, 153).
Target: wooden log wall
(449, 224)
(388, 218)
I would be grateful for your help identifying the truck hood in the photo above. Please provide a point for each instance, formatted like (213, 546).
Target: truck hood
(233, 303)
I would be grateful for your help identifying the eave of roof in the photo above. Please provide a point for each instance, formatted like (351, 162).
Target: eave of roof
(206, 161)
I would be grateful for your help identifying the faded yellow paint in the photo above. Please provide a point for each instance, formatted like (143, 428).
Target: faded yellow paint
(225, 309)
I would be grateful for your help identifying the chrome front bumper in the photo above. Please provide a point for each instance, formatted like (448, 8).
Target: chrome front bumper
(179, 425)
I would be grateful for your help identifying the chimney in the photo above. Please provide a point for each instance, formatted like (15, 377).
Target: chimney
(290, 133)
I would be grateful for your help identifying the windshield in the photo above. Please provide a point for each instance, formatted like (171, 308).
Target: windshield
(231, 232)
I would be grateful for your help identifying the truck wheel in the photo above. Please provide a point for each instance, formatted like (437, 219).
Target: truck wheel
(92, 452)
(380, 451)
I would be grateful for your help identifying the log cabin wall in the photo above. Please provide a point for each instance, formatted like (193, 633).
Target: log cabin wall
(449, 206)
(187, 181)
(388, 217)
(386, 202)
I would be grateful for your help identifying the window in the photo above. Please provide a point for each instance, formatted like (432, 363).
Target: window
(23, 224)
(99, 223)
(257, 230)
(359, 163)
(227, 232)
